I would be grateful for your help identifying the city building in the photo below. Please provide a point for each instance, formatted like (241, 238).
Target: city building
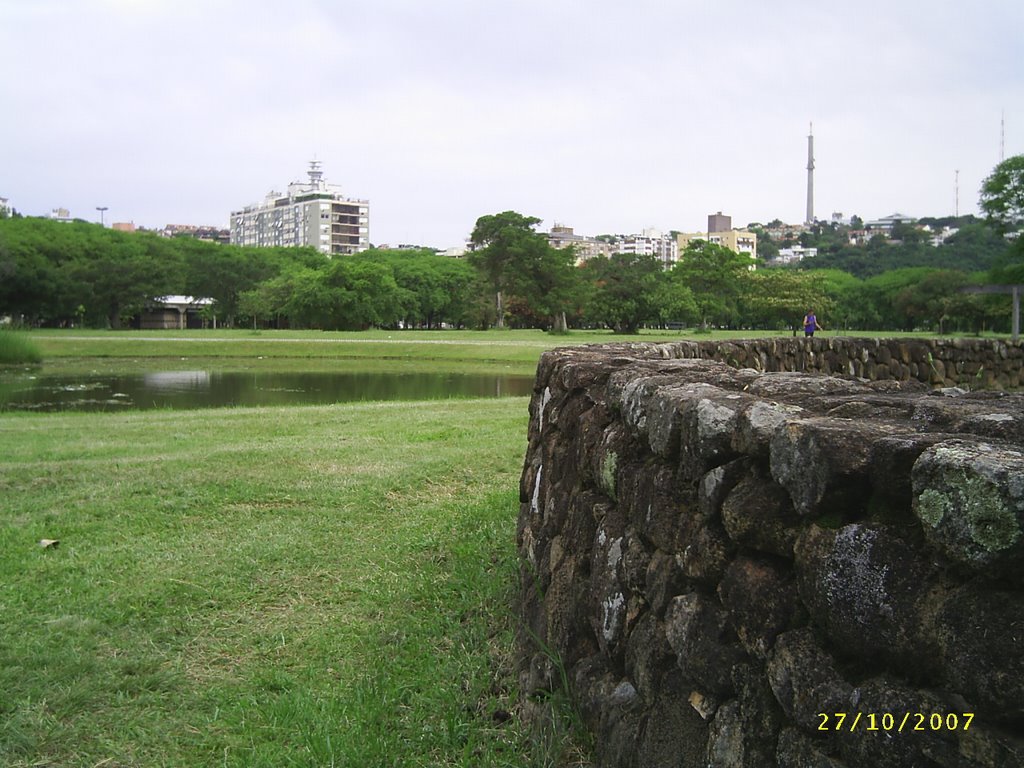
(650, 242)
(938, 235)
(562, 236)
(123, 226)
(795, 253)
(720, 232)
(61, 214)
(312, 213)
(200, 232)
(885, 224)
(780, 231)
(717, 222)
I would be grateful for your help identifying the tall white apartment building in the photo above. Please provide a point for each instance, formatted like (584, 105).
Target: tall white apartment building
(312, 213)
(651, 242)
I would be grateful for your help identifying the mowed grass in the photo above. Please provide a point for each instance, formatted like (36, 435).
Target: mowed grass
(516, 351)
(298, 586)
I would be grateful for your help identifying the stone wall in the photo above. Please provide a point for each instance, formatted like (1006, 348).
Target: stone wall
(968, 363)
(732, 567)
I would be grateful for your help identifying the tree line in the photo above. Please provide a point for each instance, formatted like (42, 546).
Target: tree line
(56, 273)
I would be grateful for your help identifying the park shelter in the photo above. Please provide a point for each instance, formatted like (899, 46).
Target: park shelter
(175, 312)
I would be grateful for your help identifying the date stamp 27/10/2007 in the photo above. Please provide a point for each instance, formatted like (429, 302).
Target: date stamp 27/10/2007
(899, 722)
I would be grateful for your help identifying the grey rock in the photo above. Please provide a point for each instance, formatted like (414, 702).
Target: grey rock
(969, 498)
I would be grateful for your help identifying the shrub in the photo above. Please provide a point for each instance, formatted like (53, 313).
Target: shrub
(16, 349)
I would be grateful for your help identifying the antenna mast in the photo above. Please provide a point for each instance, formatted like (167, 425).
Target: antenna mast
(1002, 136)
(810, 177)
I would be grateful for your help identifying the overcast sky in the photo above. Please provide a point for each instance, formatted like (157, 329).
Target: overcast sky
(608, 116)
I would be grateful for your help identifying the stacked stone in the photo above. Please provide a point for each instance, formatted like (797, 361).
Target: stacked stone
(720, 562)
(969, 363)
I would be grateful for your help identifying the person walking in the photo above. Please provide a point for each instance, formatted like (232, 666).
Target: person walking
(811, 324)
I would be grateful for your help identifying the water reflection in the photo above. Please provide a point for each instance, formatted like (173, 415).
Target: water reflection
(177, 381)
(205, 389)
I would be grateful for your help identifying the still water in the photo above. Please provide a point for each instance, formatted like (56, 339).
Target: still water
(216, 389)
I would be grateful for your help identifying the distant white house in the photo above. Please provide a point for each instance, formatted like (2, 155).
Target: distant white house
(939, 236)
(796, 253)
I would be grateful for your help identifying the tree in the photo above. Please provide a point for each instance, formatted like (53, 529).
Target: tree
(1002, 200)
(502, 239)
(1002, 194)
(778, 298)
(716, 276)
(365, 294)
(933, 300)
(119, 275)
(521, 263)
(629, 289)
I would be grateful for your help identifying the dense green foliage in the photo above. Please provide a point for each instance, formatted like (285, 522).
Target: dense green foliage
(81, 274)
(973, 248)
(1002, 199)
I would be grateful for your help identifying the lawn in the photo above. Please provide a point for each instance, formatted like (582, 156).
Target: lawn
(510, 351)
(297, 586)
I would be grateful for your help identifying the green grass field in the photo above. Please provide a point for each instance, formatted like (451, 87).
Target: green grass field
(299, 586)
(464, 351)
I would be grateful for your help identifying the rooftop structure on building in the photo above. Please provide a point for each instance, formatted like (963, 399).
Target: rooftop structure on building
(717, 222)
(312, 213)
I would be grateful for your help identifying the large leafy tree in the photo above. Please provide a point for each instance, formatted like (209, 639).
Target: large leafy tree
(932, 301)
(1002, 200)
(365, 292)
(434, 289)
(628, 289)
(505, 242)
(1002, 194)
(778, 298)
(717, 276)
(122, 275)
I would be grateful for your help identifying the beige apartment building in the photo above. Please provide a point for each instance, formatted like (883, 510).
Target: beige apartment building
(720, 232)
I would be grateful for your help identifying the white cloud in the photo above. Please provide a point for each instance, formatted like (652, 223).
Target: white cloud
(608, 116)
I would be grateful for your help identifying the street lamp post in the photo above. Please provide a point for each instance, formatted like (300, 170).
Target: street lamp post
(101, 209)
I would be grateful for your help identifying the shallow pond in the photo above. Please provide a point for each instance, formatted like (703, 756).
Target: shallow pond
(218, 389)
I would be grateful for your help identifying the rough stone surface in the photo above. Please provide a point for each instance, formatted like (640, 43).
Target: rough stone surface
(969, 497)
(725, 551)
